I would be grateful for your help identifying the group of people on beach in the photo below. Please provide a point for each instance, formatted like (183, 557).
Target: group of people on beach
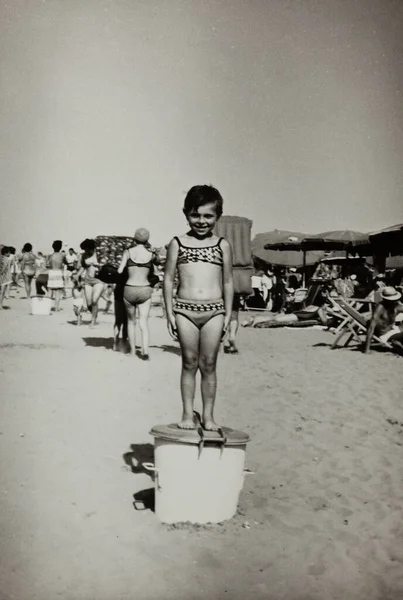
(48, 272)
(198, 293)
(197, 290)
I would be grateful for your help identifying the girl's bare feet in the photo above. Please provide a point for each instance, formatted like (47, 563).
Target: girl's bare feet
(188, 422)
(210, 425)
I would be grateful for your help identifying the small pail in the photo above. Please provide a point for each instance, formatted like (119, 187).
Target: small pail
(197, 479)
(41, 305)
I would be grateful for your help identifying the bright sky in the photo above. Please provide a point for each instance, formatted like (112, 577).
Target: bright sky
(111, 109)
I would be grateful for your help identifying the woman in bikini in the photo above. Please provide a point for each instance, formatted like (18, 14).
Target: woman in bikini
(93, 287)
(201, 312)
(139, 261)
(28, 267)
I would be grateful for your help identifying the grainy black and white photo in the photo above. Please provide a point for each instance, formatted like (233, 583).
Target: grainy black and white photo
(201, 314)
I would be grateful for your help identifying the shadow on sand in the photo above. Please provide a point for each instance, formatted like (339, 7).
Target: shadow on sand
(355, 348)
(123, 345)
(169, 348)
(107, 343)
(99, 342)
(139, 454)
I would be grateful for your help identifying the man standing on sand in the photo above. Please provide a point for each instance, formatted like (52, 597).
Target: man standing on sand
(385, 321)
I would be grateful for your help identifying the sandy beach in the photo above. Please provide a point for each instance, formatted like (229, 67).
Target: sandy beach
(321, 518)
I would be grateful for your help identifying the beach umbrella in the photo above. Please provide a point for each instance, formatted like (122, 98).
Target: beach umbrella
(279, 239)
(345, 239)
(284, 248)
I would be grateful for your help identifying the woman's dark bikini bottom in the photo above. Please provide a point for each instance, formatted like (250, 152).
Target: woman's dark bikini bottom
(136, 294)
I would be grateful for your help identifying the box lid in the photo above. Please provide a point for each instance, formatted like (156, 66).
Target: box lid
(191, 436)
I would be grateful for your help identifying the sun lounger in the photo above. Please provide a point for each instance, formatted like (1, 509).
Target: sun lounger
(354, 325)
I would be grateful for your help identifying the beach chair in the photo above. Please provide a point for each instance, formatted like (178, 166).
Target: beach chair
(354, 325)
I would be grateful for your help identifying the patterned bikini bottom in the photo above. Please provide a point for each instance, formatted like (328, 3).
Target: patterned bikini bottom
(199, 312)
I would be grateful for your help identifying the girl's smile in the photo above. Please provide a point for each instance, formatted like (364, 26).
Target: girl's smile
(202, 220)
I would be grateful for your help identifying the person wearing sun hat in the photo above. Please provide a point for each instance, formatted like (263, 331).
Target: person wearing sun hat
(138, 261)
(385, 320)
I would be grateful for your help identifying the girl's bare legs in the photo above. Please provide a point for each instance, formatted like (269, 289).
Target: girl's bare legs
(189, 337)
(210, 337)
(97, 291)
(131, 326)
(143, 313)
(230, 336)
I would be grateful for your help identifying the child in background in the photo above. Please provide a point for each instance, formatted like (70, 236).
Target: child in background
(201, 312)
(78, 298)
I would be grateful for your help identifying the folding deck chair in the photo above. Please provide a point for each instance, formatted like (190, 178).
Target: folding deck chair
(354, 325)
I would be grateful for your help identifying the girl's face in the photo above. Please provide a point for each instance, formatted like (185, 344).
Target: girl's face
(202, 220)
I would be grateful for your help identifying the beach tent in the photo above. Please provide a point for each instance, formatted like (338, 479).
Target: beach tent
(237, 231)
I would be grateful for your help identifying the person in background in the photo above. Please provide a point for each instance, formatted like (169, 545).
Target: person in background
(28, 267)
(385, 322)
(279, 291)
(139, 261)
(78, 298)
(107, 296)
(55, 276)
(229, 342)
(12, 259)
(5, 273)
(15, 267)
(257, 301)
(71, 260)
(40, 261)
(293, 281)
(267, 287)
(42, 276)
(70, 267)
(93, 287)
(378, 283)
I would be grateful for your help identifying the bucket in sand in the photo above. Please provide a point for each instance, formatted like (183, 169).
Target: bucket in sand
(198, 475)
(41, 305)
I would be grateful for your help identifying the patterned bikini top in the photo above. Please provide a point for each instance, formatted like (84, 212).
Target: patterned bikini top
(207, 254)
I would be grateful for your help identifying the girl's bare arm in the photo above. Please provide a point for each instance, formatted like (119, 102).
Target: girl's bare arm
(228, 282)
(169, 276)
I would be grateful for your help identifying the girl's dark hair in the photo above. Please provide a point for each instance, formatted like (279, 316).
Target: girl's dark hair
(199, 195)
(4, 250)
(12, 249)
(57, 245)
(87, 245)
(27, 247)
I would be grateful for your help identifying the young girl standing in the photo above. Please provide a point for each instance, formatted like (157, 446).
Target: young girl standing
(201, 311)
